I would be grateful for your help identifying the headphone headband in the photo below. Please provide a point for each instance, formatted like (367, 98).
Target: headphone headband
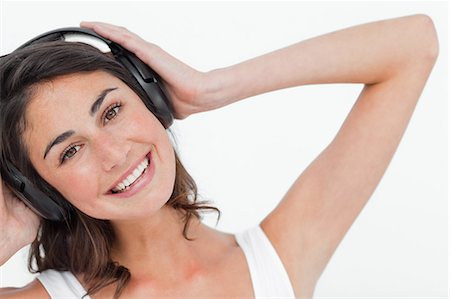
(62, 31)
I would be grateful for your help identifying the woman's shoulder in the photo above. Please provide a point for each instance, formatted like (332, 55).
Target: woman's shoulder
(32, 290)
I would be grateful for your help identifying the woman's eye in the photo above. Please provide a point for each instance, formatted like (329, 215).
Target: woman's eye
(69, 153)
(111, 113)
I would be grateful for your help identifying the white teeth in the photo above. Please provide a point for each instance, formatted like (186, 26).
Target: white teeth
(137, 172)
(132, 177)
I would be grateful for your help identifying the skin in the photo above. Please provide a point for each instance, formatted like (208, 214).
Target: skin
(392, 58)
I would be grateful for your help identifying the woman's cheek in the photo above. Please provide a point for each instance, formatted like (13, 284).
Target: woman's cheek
(80, 188)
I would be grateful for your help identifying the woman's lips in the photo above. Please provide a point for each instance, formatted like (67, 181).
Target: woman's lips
(145, 178)
(129, 171)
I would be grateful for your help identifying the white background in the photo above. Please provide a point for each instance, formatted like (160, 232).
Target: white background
(244, 157)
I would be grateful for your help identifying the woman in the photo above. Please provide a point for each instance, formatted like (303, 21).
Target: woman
(146, 251)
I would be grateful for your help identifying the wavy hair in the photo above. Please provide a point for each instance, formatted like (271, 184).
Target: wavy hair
(65, 246)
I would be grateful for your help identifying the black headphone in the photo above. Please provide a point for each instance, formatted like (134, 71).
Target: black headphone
(156, 101)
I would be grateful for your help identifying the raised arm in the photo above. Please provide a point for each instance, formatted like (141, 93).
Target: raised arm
(393, 58)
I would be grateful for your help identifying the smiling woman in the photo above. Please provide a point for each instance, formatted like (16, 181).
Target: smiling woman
(132, 201)
(96, 105)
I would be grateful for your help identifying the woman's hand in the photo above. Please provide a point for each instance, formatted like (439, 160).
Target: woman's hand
(184, 84)
(18, 224)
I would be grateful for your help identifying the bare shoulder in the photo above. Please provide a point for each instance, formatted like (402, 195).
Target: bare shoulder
(32, 290)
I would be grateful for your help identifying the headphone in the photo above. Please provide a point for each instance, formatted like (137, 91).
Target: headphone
(156, 101)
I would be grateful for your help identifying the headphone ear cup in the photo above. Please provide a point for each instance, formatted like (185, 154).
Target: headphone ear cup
(156, 99)
(34, 198)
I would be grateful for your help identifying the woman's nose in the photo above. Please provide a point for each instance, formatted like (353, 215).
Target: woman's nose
(111, 151)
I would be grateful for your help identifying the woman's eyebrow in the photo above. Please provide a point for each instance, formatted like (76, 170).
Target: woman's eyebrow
(94, 108)
(58, 140)
(99, 101)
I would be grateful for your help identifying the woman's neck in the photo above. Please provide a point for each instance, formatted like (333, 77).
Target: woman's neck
(146, 246)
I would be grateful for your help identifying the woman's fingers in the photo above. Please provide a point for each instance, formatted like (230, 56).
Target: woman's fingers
(120, 35)
(102, 26)
(149, 53)
(183, 83)
(108, 30)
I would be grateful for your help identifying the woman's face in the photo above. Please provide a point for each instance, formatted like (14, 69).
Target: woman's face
(86, 147)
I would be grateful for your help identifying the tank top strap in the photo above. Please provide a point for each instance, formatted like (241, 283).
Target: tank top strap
(269, 277)
(62, 285)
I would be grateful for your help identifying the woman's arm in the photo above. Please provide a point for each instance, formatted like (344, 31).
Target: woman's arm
(368, 53)
(393, 58)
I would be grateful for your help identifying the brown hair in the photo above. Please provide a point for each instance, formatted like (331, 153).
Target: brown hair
(65, 246)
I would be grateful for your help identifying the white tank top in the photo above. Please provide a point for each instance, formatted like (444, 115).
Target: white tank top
(269, 277)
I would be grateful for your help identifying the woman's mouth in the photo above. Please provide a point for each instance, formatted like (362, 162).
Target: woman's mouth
(132, 178)
(137, 179)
